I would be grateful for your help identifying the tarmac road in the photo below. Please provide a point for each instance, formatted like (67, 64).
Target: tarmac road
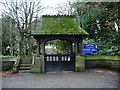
(93, 78)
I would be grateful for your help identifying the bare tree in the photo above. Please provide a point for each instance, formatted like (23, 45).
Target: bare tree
(66, 8)
(24, 13)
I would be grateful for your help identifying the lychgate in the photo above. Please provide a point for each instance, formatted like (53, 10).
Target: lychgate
(63, 27)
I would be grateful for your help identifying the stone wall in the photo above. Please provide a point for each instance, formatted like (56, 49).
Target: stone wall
(112, 64)
(85, 62)
(7, 63)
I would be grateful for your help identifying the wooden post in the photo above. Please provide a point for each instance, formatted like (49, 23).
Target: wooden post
(76, 48)
(71, 48)
(43, 48)
(38, 48)
(80, 47)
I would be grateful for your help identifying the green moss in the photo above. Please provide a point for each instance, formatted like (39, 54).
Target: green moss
(94, 57)
(103, 61)
(59, 25)
(8, 59)
(6, 56)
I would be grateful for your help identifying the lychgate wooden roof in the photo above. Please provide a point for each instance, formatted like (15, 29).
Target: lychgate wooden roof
(59, 25)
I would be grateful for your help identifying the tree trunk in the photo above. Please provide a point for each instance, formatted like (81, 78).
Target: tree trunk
(30, 49)
(21, 47)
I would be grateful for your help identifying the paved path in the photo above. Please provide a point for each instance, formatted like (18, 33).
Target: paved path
(89, 79)
(50, 51)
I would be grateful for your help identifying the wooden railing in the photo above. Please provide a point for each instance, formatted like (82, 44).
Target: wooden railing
(59, 57)
(33, 60)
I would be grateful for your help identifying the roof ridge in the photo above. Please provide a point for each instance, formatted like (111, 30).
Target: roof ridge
(58, 15)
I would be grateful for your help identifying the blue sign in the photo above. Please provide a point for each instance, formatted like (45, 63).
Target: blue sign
(89, 49)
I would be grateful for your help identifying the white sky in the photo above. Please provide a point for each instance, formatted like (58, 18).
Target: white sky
(51, 5)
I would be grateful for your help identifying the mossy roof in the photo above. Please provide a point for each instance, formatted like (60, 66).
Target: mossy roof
(59, 25)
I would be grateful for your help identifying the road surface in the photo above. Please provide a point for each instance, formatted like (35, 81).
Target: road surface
(88, 79)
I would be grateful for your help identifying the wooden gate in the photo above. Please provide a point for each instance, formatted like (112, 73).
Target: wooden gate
(59, 62)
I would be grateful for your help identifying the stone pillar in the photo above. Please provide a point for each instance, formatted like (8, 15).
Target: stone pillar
(39, 65)
(80, 63)
(38, 48)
